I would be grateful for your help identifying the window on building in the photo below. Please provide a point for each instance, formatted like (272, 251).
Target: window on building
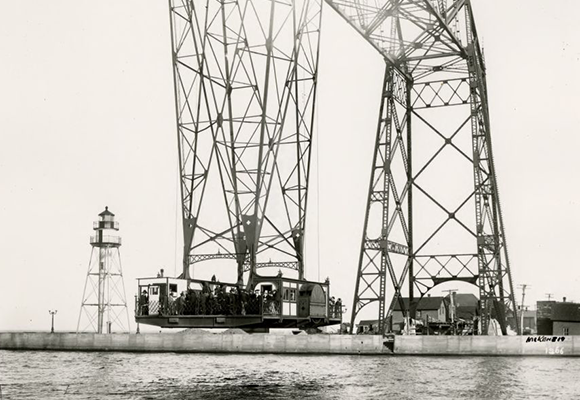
(565, 331)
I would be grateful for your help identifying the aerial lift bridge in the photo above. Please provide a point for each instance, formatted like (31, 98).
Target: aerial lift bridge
(245, 77)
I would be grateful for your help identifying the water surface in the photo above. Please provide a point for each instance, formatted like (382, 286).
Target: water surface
(98, 375)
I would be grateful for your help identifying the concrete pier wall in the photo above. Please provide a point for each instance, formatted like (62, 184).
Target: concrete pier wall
(300, 344)
(488, 345)
(210, 343)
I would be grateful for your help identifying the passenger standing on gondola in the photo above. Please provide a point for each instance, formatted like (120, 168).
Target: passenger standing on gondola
(189, 307)
(264, 299)
(243, 295)
(211, 305)
(236, 301)
(205, 292)
(144, 303)
(163, 303)
(338, 308)
(171, 303)
(331, 306)
(266, 302)
(256, 301)
(180, 304)
(196, 300)
(251, 307)
(277, 299)
(222, 300)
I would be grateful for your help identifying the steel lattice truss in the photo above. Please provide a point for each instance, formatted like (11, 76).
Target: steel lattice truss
(104, 293)
(245, 79)
(433, 126)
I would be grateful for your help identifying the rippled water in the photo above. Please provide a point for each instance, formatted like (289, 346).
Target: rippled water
(98, 375)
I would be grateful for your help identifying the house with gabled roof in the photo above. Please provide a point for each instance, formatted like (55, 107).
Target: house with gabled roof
(433, 308)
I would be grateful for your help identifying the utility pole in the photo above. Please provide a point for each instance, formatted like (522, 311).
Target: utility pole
(523, 286)
(550, 295)
(52, 313)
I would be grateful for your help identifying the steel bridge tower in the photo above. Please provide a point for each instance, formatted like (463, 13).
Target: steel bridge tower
(245, 78)
(433, 213)
(104, 304)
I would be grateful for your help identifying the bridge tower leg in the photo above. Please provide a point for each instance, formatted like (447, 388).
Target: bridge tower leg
(433, 213)
(245, 83)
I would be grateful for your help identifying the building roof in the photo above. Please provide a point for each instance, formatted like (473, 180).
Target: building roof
(106, 212)
(566, 312)
(426, 303)
(465, 300)
(466, 305)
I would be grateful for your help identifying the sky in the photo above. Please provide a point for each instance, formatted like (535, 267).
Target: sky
(87, 121)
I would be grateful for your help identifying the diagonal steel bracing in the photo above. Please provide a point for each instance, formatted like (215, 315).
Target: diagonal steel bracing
(433, 212)
(245, 78)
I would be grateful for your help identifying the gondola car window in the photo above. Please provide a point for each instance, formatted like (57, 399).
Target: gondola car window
(266, 288)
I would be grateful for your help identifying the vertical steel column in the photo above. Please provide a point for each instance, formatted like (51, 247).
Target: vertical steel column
(495, 298)
(410, 261)
(374, 260)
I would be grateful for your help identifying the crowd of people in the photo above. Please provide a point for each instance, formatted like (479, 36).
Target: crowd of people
(219, 301)
(335, 308)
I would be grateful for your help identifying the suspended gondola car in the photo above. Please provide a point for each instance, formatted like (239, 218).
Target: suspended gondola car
(274, 302)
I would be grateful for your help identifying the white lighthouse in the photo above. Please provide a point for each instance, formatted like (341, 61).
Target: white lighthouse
(104, 304)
